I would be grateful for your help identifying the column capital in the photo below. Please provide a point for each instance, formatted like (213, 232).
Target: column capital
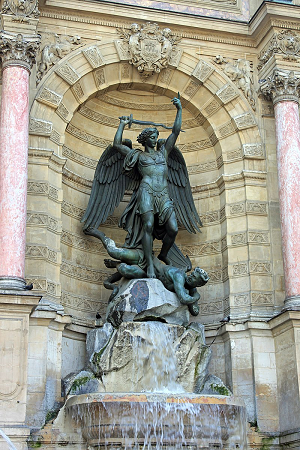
(18, 49)
(281, 86)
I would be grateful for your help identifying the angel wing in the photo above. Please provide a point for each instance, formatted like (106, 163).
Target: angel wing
(181, 193)
(109, 186)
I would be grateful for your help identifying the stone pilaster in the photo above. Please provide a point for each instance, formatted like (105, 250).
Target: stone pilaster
(18, 53)
(283, 88)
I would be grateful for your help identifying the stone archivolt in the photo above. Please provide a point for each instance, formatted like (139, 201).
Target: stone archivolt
(18, 49)
(281, 86)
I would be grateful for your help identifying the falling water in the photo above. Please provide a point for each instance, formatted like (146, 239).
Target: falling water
(156, 412)
(6, 438)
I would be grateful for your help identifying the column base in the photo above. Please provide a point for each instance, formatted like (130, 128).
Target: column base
(292, 303)
(14, 283)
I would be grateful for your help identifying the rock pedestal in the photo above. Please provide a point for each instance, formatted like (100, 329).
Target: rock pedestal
(146, 299)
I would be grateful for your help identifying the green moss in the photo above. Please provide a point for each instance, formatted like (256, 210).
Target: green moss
(79, 382)
(266, 443)
(221, 390)
(34, 444)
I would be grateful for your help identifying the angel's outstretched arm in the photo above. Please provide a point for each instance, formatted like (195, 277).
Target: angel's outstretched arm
(118, 137)
(170, 142)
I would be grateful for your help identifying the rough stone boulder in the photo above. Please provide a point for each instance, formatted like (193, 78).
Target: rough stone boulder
(146, 299)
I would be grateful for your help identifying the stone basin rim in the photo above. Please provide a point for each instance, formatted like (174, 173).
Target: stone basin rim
(151, 397)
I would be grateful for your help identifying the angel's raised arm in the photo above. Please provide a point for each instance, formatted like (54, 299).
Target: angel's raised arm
(170, 142)
(124, 120)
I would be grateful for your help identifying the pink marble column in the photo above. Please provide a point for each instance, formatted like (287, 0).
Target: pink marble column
(283, 88)
(17, 57)
(13, 171)
(288, 159)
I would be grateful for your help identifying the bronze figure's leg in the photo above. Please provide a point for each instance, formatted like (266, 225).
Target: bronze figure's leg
(147, 241)
(169, 239)
(127, 255)
(109, 284)
(131, 272)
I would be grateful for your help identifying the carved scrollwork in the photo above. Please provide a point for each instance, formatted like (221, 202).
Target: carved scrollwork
(240, 72)
(21, 8)
(18, 49)
(286, 43)
(281, 86)
(148, 48)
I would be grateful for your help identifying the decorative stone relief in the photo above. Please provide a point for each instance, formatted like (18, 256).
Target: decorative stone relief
(192, 88)
(76, 241)
(18, 49)
(40, 219)
(54, 48)
(21, 9)
(41, 252)
(204, 167)
(195, 146)
(148, 48)
(238, 239)
(78, 91)
(49, 97)
(72, 210)
(253, 150)
(258, 237)
(241, 300)
(83, 135)
(226, 129)
(63, 112)
(39, 127)
(55, 137)
(240, 72)
(99, 77)
(285, 43)
(240, 269)
(226, 94)
(83, 273)
(202, 71)
(261, 267)
(79, 302)
(93, 56)
(281, 86)
(244, 121)
(80, 159)
(67, 73)
(264, 298)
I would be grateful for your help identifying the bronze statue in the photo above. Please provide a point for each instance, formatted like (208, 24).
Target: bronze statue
(161, 195)
(129, 264)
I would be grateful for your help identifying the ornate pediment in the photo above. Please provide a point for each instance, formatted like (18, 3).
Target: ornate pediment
(148, 48)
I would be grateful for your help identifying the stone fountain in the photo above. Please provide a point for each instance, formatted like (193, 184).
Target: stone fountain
(146, 384)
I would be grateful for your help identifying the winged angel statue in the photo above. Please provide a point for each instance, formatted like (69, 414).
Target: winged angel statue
(161, 195)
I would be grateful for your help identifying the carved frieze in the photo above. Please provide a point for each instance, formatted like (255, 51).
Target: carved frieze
(99, 77)
(253, 150)
(18, 49)
(67, 73)
(63, 112)
(21, 9)
(226, 94)
(53, 49)
(281, 86)
(148, 48)
(285, 43)
(240, 72)
(243, 121)
(83, 273)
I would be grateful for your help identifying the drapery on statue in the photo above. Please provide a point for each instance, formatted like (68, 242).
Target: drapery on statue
(161, 195)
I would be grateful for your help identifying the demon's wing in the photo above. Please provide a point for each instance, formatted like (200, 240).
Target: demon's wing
(109, 185)
(181, 193)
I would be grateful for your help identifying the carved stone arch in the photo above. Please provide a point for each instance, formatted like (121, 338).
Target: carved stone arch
(232, 139)
(89, 69)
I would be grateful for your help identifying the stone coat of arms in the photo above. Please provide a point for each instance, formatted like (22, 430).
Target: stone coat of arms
(149, 48)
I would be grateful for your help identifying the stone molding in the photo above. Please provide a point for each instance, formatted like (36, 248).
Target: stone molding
(18, 49)
(281, 86)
